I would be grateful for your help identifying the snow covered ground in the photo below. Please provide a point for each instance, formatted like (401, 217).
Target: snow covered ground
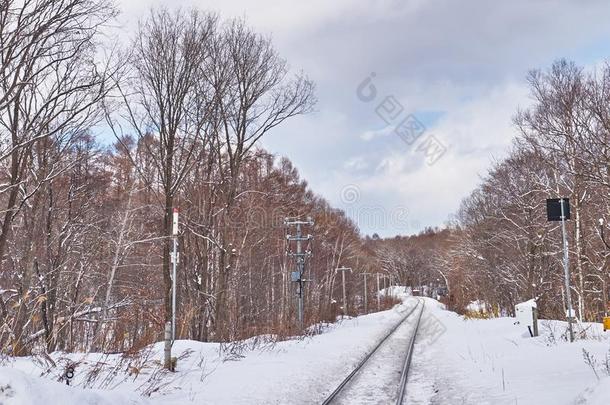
(302, 371)
(497, 362)
(456, 361)
(19, 388)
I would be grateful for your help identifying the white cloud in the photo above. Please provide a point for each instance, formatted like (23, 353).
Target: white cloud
(466, 59)
(474, 132)
(356, 163)
(377, 133)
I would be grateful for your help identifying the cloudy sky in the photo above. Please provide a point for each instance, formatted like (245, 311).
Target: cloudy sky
(457, 67)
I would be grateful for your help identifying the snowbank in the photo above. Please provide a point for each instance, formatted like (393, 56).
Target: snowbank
(397, 292)
(598, 394)
(18, 388)
(477, 306)
(300, 371)
(456, 361)
(494, 361)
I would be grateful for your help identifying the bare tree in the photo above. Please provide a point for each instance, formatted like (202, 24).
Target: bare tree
(165, 108)
(52, 87)
(254, 93)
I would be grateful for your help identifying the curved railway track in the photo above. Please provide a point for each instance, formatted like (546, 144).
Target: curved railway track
(375, 378)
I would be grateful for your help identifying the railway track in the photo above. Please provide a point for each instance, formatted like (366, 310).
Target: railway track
(380, 378)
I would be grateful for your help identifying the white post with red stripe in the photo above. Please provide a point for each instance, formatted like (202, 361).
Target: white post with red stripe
(175, 259)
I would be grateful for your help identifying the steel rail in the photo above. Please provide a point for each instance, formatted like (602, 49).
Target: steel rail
(364, 361)
(402, 388)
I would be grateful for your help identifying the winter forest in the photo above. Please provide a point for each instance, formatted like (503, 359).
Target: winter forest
(86, 222)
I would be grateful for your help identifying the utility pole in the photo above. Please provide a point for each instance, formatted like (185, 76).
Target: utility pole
(366, 300)
(566, 268)
(558, 209)
(343, 270)
(175, 259)
(605, 297)
(378, 294)
(300, 256)
(170, 327)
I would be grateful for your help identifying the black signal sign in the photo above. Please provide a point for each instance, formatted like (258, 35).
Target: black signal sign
(553, 209)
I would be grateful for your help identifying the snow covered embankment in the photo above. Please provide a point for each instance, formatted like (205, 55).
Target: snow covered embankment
(300, 371)
(494, 361)
(18, 388)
